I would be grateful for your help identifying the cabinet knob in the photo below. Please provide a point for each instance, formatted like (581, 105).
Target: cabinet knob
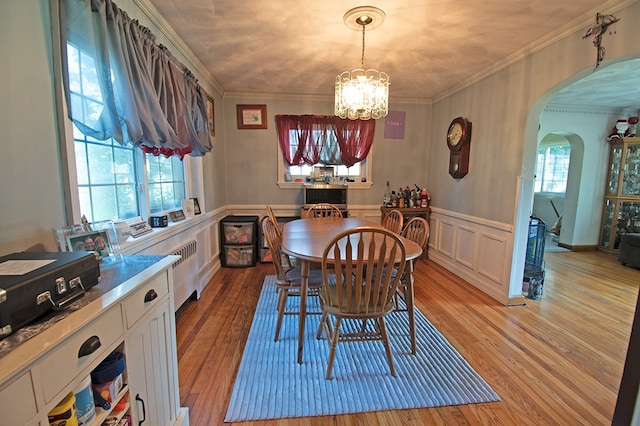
(89, 346)
(151, 295)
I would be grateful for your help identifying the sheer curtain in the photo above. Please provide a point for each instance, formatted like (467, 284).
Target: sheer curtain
(330, 140)
(144, 95)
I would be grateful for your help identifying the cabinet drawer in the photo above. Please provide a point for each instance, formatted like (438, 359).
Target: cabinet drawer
(18, 401)
(238, 232)
(239, 256)
(62, 365)
(136, 305)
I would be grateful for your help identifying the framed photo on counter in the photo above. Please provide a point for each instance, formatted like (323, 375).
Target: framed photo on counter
(96, 241)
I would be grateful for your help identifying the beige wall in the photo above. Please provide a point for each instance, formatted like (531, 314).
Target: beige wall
(252, 155)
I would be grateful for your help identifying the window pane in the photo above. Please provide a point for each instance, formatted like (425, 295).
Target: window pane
(155, 197)
(81, 162)
(166, 183)
(103, 202)
(85, 202)
(552, 169)
(124, 165)
(127, 201)
(101, 169)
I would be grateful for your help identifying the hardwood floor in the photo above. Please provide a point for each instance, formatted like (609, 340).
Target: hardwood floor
(557, 360)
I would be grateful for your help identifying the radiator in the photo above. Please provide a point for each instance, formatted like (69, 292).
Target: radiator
(185, 273)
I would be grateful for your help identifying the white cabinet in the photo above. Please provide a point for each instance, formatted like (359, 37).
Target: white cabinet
(134, 317)
(150, 374)
(19, 393)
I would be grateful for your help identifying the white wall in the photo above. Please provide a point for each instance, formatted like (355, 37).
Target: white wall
(31, 189)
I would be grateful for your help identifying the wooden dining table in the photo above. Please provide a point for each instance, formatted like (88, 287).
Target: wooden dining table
(306, 239)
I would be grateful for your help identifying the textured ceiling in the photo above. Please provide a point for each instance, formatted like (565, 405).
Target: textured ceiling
(428, 47)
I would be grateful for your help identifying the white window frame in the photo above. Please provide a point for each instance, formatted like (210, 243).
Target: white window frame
(190, 174)
(536, 180)
(283, 169)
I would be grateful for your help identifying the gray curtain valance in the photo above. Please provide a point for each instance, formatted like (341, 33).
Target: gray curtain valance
(146, 96)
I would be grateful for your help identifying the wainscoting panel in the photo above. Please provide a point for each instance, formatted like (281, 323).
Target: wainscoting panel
(444, 235)
(492, 257)
(475, 249)
(466, 240)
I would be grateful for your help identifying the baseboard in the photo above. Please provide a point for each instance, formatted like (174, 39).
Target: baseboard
(516, 301)
(183, 417)
(577, 248)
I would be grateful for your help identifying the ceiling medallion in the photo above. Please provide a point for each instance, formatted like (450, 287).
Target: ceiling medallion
(362, 94)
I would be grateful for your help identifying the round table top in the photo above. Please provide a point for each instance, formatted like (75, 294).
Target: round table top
(307, 238)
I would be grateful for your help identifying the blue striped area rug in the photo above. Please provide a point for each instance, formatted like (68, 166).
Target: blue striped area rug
(270, 383)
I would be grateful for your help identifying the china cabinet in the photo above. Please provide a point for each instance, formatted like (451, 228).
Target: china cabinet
(622, 193)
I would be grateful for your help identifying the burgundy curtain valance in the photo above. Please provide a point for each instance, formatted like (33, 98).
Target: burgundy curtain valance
(330, 140)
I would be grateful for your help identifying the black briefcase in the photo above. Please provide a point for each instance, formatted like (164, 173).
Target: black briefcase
(33, 284)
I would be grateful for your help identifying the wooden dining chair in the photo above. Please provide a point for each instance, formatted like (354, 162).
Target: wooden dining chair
(323, 210)
(273, 218)
(359, 285)
(393, 221)
(288, 276)
(416, 230)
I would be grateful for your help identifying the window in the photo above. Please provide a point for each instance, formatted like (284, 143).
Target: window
(330, 151)
(357, 173)
(329, 142)
(116, 180)
(552, 168)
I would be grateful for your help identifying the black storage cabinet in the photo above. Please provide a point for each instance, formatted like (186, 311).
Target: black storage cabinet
(239, 241)
(264, 250)
(534, 261)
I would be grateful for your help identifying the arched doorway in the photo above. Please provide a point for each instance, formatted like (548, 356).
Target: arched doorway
(586, 123)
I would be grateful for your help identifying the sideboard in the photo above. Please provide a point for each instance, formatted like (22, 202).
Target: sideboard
(130, 311)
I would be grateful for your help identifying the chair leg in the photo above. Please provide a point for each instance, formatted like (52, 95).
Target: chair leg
(282, 301)
(332, 345)
(323, 326)
(387, 347)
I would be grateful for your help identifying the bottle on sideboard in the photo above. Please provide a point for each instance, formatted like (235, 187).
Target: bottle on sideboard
(386, 200)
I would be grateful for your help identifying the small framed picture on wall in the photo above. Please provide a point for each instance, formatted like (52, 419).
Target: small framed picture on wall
(252, 116)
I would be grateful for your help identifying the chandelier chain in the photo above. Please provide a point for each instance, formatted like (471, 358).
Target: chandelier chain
(363, 27)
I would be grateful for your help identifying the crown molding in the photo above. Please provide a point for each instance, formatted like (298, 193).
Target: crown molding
(158, 20)
(586, 110)
(572, 27)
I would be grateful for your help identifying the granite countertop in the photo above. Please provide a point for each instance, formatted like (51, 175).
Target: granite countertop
(111, 276)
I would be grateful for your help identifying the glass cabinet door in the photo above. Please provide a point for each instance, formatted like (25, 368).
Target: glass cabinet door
(631, 173)
(628, 217)
(614, 170)
(607, 224)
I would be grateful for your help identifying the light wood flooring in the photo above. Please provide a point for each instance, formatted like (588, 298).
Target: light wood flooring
(554, 361)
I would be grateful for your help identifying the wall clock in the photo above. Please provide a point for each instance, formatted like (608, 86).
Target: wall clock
(459, 143)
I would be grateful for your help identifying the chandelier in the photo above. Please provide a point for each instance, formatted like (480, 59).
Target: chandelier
(362, 94)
